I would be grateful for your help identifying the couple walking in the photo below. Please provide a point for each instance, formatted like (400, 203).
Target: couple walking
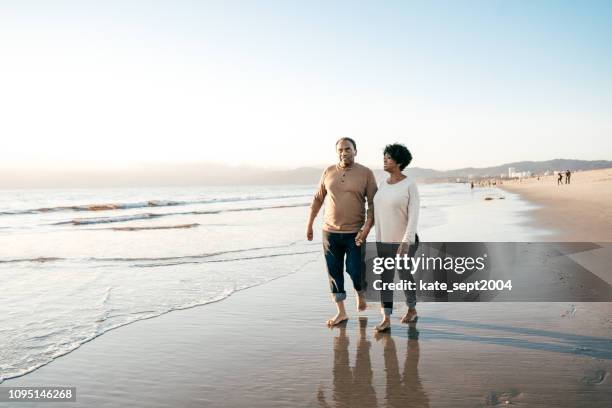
(392, 207)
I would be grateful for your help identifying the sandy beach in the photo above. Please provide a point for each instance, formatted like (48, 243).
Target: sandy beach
(268, 346)
(579, 211)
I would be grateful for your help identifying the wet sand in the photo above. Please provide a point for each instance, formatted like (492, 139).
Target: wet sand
(579, 211)
(268, 347)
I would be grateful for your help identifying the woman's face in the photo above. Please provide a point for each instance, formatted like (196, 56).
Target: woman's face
(388, 163)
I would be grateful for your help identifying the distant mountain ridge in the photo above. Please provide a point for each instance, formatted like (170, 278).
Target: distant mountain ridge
(308, 175)
(535, 167)
(194, 174)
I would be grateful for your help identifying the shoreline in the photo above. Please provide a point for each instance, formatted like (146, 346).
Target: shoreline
(575, 212)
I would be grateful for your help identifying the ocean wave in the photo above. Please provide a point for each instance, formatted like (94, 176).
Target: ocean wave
(145, 204)
(188, 258)
(40, 259)
(104, 220)
(135, 317)
(159, 227)
(177, 259)
(144, 216)
(246, 258)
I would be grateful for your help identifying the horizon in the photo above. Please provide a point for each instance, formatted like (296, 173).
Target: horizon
(89, 166)
(213, 174)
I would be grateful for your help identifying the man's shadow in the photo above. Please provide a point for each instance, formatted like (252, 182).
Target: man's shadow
(352, 386)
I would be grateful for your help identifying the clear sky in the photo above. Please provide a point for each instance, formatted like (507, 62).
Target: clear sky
(110, 83)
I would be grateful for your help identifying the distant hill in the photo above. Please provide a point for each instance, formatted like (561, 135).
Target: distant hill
(311, 175)
(151, 175)
(532, 166)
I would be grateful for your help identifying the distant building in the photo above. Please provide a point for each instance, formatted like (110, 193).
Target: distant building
(521, 174)
(518, 174)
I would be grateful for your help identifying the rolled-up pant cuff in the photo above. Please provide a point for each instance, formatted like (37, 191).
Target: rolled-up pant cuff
(339, 297)
(387, 311)
(411, 305)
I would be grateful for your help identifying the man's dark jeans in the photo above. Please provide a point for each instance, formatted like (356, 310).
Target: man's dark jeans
(341, 249)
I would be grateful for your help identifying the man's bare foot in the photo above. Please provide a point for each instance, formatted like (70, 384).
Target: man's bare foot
(337, 319)
(384, 325)
(361, 302)
(410, 316)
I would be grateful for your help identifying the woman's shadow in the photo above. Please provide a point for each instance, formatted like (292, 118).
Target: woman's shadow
(352, 386)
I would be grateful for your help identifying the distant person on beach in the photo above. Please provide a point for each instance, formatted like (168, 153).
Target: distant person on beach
(347, 186)
(568, 174)
(560, 179)
(396, 211)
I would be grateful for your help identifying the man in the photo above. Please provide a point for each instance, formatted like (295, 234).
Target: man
(347, 186)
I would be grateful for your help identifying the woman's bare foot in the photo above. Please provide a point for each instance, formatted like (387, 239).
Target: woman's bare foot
(361, 302)
(384, 325)
(410, 316)
(337, 319)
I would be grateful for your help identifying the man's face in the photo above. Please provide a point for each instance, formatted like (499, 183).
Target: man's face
(346, 153)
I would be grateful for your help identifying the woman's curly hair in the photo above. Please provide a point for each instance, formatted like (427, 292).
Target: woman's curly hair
(400, 154)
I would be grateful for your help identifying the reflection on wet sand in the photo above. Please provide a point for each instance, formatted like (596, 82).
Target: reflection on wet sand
(352, 386)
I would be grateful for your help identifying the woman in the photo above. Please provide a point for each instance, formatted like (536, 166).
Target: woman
(396, 211)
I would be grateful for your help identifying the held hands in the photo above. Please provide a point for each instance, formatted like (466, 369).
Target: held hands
(361, 237)
(403, 248)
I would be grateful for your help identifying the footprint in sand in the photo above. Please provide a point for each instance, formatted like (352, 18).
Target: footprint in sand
(594, 377)
(571, 312)
(503, 398)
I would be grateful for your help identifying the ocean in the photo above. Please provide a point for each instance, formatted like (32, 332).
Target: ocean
(77, 263)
